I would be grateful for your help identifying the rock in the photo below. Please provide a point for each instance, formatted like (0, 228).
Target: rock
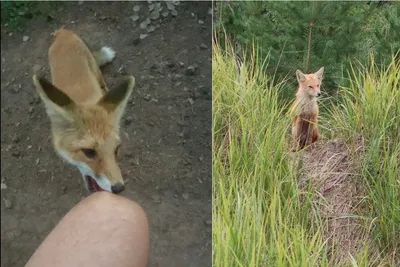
(3, 186)
(7, 204)
(165, 14)
(203, 46)
(128, 120)
(201, 21)
(170, 6)
(190, 100)
(185, 196)
(25, 38)
(136, 8)
(147, 97)
(142, 36)
(174, 13)
(15, 154)
(63, 189)
(135, 17)
(10, 34)
(143, 25)
(151, 7)
(151, 29)
(170, 65)
(191, 70)
(155, 14)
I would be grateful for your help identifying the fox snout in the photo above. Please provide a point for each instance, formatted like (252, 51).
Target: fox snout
(117, 188)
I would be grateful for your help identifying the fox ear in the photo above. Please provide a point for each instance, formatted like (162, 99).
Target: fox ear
(56, 102)
(300, 76)
(320, 73)
(115, 100)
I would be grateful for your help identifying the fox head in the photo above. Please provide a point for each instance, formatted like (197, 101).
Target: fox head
(310, 84)
(87, 136)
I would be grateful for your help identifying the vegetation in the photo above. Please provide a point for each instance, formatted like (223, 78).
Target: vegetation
(308, 35)
(17, 13)
(261, 216)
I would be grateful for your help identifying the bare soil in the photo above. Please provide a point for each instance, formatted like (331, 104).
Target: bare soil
(166, 152)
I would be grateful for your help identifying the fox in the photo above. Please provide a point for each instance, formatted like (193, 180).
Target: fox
(84, 114)
(305, 109)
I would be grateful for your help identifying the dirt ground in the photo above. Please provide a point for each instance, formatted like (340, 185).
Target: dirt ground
(166, 153)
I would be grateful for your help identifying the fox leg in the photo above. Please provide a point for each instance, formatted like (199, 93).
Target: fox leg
(315, 134)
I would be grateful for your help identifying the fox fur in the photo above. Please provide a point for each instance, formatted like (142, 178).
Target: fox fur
(85, 115)
(305, 109)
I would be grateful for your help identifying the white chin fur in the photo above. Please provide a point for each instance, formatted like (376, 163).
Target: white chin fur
(107, 55)
(101, 180)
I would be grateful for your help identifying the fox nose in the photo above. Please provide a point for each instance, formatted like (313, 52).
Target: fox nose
(318, 94)
(117, 188)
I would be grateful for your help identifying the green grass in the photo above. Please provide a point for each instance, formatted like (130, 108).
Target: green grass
(17, 13)
(261, 217)
(370, 111)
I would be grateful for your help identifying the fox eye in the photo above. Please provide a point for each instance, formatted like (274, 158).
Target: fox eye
(90, 153)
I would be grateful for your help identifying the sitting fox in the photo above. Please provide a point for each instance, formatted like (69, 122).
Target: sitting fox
(305, 109)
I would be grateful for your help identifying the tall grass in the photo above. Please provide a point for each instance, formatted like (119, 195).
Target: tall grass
(370, 111)
(261, 217)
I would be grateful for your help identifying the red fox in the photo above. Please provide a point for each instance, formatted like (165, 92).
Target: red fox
(85, 116)
(305, 109)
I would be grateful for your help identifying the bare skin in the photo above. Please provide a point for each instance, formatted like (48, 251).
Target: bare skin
(102, 230)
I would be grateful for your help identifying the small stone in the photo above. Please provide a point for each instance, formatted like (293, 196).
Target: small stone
(181, 64)
(151, 29)
(174, 13)
(128, 120)
(30, 110)
(151, 7)
(165, 14)
(170, 6)
(155, 14)
(3, 186)
(16, 154)
(170, 65)
(7, 204)
(185, 196)
(142, 36)
(143, 25)
(201, 21)
(135, 17)
(63, 189)
(147, 97)
(25, 38)
(136, 8)
(191, 70)
(10, 34)
(203, 46)
(190, 100)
